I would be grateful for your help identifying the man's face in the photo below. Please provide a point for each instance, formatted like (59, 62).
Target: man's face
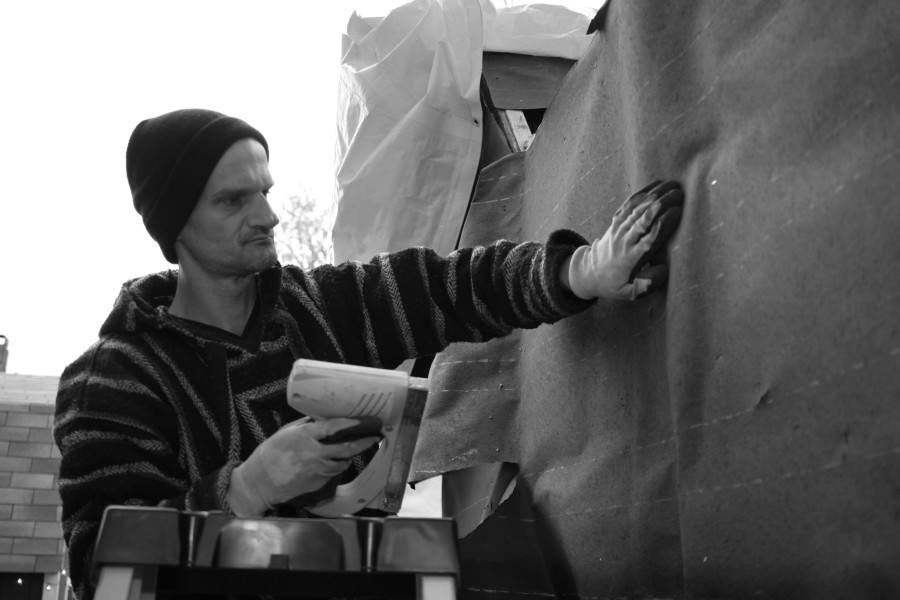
(231, 231)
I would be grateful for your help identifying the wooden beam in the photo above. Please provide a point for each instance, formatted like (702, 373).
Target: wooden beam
(515, 128)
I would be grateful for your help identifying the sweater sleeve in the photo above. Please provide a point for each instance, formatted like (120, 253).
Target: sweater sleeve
(414, 302)
(119, 446)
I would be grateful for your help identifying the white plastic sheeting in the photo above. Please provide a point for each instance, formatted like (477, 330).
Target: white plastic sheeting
(409, 115)
(537, 29)
(409, 128)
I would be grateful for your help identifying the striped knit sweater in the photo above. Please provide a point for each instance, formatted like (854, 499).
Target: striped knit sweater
(157, 414)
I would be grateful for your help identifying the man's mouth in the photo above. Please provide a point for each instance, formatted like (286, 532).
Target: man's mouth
(263, 239)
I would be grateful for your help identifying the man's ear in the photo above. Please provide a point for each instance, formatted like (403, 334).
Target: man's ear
(180, 249)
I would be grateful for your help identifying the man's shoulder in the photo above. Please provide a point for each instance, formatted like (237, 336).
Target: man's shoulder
(139, 304)
(287, 279)
(111, 352)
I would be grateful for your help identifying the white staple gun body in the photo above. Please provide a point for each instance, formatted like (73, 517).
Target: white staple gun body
(326, 390)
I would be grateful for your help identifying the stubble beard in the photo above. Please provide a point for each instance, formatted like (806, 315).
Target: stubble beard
(264, 257)
(249, 262)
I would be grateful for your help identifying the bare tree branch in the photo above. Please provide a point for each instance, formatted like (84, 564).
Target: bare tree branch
(302, 238)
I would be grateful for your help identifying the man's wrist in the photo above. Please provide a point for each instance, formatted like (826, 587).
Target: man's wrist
(242, 497)
(564, 273)
(575, 271)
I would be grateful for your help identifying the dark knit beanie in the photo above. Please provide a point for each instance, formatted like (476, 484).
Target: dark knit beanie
(169, 160)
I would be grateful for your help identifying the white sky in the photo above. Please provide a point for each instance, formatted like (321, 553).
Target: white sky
(76, 77)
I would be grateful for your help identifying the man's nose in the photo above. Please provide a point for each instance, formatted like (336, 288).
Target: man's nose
(263, 216)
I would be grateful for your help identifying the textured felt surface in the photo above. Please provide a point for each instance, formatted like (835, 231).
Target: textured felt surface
(520, 81)
(738, 434)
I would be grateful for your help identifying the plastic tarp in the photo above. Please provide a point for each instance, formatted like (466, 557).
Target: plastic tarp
(537, 29)
(409, 119)
(409, 128)
(737, 436)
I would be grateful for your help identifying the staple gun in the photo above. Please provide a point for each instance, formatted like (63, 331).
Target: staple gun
(385, 401)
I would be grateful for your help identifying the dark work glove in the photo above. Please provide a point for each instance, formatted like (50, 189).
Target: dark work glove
(618, 264)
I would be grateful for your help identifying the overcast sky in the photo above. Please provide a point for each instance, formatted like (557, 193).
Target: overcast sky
(77, 77)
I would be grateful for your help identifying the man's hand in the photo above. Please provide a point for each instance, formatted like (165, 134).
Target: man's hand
(616, 265)
(298, 459)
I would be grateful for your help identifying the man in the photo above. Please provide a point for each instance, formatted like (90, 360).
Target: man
(181, 402)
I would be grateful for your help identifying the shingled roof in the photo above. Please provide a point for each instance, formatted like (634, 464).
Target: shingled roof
(40, 389)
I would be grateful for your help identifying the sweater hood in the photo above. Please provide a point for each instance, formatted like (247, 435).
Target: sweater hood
(143, 303)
